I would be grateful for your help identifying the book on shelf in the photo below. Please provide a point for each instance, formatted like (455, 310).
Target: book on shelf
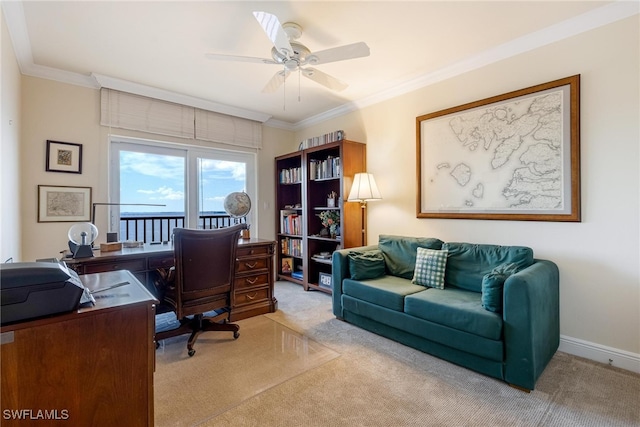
(290, 222)
(291, 176)
(323, 169)
(322, 255)
(291, 247)
(327, 138)
(297, 275)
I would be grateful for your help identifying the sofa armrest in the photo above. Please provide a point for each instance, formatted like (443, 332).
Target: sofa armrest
(339, 272)
(531, 322)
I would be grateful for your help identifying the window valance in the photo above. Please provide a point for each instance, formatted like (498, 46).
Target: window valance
(135, 112)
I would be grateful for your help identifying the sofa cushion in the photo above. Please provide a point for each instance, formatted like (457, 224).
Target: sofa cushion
(430, 268)
(456, 308)
(493, 284)
(386, 291)
(467, 263)
(400, 252)
(366, 265)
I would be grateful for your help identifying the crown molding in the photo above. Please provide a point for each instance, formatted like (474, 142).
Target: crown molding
(599, 17)
(16, 24)
(178, 98)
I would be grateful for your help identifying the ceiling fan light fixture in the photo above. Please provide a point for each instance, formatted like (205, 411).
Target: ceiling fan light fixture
(292, 55)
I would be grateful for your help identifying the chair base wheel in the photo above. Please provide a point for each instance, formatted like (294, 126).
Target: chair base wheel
(191, 352)
(236, 334)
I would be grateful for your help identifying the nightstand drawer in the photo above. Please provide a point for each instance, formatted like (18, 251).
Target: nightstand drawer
(251, 281)
(251, 297)
(131, 265)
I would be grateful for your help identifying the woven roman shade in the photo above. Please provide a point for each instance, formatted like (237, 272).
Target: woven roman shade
(211, 126)
(135, 112)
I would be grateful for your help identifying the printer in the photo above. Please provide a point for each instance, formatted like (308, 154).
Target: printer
(36, 289)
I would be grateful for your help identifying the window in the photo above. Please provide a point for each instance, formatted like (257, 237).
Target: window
(160, 186)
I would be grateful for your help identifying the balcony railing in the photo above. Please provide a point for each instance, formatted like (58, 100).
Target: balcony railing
(160, 228)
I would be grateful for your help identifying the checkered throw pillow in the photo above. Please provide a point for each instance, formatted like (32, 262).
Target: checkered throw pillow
(430, 267)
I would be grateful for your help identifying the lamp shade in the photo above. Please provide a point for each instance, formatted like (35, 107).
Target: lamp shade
(364, 188)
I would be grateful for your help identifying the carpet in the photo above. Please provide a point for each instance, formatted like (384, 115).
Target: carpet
(378, 382)
(225, 372)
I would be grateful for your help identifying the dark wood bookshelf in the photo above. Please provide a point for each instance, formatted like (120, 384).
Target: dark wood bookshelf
(322, 170)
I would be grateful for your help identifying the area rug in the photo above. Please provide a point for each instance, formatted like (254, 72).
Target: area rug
(225, 372)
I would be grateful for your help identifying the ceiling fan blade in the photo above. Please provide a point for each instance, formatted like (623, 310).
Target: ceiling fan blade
(271, 25)
(219, 57)
(324, 79)
(350, 51)
(276, 81)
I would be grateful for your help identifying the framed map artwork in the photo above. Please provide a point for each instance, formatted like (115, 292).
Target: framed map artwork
(510, 157)
(64, 204)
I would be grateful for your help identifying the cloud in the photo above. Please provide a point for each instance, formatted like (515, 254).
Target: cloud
(163, 193)
(217, 169)
(154, 165)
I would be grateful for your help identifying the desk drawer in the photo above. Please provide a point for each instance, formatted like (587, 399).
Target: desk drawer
(131, 265)
(251, 281)
(263, 250)
(251, 296)
(253, 264)
(160, 262)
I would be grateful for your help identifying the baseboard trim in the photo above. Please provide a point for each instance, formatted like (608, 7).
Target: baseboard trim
(600, 353)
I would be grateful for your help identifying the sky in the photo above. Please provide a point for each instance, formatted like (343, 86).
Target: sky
(159, 179)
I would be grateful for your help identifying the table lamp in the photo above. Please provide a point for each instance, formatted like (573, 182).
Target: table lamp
(364, 189)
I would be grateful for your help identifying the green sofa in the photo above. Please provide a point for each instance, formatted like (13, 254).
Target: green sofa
(497, 313)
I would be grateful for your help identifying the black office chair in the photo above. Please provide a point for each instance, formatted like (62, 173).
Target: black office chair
(202, 281)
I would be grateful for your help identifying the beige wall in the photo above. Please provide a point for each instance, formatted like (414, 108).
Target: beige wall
(10, 241)
(63, 112)
(599, 257)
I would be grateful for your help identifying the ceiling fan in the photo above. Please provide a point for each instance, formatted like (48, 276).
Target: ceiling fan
(294, 56)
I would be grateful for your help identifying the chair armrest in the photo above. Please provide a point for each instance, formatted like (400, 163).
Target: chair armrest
(339, 272)
(531, 322)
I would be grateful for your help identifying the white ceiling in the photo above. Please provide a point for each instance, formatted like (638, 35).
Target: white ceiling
(157, 48)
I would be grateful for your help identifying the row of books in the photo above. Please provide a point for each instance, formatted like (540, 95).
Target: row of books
(290, 222)
(322, 169)
(327, 138)
(291, 175)
(291, 246)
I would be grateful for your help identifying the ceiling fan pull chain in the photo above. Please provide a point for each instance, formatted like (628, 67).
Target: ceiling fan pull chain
(299, 72)
(284, 89)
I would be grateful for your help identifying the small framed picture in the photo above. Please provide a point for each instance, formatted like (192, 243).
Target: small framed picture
(325, 280)
(64, 204)
(64, 157)
(286, 265)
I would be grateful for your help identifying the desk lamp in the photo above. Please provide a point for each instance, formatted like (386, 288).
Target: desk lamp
(364, 189)
(81, 236)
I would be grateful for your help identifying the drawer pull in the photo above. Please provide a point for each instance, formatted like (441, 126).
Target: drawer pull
(251, 281)
(249, 297)
(253, 265)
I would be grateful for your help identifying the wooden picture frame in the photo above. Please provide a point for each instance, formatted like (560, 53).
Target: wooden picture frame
(286, 264)
(64, 204)
(514, 156)
(63, 157)
(325, 280)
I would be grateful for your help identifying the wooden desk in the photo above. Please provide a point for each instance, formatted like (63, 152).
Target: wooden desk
(253, 284)
(93, 367)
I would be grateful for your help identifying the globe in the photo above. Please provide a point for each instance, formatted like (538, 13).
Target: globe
(237, 204)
